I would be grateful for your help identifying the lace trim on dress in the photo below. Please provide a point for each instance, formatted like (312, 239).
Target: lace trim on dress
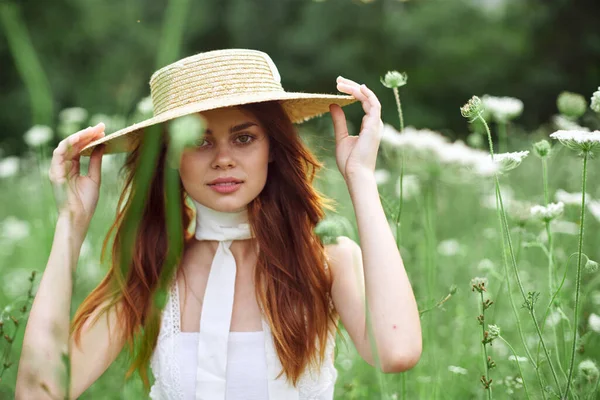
(165, 361)
(313, 384)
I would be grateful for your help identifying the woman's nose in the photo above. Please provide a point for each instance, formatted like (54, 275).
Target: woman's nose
(223, 157)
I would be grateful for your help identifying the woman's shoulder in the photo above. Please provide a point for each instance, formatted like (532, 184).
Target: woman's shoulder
(341, 254)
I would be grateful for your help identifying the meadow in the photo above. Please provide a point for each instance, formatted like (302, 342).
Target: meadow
(501, 251)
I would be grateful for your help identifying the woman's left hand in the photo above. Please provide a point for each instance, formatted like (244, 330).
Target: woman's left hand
(356, 155)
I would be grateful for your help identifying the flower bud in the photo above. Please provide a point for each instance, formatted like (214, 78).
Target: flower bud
(591, 266)
(571, 105)
(394, 79)
(472, 109)
(595, 104)
(478, 284)
(542, 148)
(588, 371)
(494, 331)
(453, 289)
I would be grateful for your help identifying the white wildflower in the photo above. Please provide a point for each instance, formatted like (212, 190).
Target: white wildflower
(517, 358)
(502, 109)
(596, 298)
(560, 226)
(390, 136)
(382, 176)
(594, 322)
(584, 142)
(508, 197)
(564, 123)
(553, 318)
(490, 233)
(486, 265)
(457, 370)
(410, 186)
(547, 213)
(112, 124)
(423, 140)
(449, 247)
(433, 146)
(459, 153)
(565, 227)
(73, 115)
(38, 135)
(9, 166)
(509, 161)
(570, 198)
(14, 229)
(145, 106)
(15, 282)
(594, 208)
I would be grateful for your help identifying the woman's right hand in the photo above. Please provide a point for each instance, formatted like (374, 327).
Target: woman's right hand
(77, 195)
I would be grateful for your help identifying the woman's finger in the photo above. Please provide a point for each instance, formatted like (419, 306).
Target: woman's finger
(338, 117)
(355, 90)
(95, 167)
(78, 140)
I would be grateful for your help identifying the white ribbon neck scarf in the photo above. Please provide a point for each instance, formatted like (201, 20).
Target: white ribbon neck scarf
(217, 308)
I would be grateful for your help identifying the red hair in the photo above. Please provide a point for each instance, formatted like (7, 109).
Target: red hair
(292, 284)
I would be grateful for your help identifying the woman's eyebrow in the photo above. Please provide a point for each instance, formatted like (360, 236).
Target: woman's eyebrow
(236, 128)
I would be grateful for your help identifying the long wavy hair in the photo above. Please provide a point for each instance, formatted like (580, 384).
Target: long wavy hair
(292, 284)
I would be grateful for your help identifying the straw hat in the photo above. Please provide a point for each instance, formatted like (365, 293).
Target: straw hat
(215, 79)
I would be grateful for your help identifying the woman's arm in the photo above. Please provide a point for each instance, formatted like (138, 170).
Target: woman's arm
(43, 368)
(42, 371)
(393, 311)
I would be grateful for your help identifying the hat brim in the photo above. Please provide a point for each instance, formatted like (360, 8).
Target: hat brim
(300, 107)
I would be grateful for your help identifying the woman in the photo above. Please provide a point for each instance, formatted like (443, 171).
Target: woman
(252, 308)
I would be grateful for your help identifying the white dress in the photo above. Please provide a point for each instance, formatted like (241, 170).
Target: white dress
(174, 363)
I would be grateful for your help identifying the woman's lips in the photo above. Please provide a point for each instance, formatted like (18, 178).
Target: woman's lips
(228, 187)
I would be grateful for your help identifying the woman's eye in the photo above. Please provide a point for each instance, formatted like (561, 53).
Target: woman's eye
(200, 144)
(249, 139)
(245, 139)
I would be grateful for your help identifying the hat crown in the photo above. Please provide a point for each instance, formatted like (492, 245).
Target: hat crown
(211, 75)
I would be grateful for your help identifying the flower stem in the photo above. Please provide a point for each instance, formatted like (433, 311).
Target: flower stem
(513, 261)
(551, 267)
(399, 105)
(545, 180)
(485, 356)
(502, 137)
(518, 364)
(578, 280)
(512, 301)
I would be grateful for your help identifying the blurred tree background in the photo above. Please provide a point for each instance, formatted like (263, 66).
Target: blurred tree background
(99, 54)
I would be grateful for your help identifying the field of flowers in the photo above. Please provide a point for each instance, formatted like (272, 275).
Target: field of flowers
(501, 250)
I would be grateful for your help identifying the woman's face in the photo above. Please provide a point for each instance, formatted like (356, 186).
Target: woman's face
(236, 146)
